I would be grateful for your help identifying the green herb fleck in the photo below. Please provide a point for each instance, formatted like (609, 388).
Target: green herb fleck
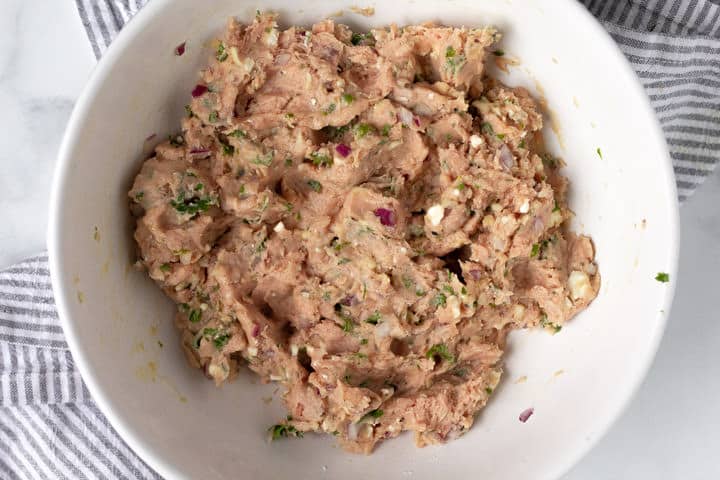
(221, 54)
(440, 300)
(374, 318)
(407, 281)
(498, 53)
(189, 111)
(195, 316)
(460, 186)
(450, 52)
(486, 127)
(364, 341)
(385, 132)
(348, 98)
(165, 267)
(662, 277)
(362, 129)
(449, 289)
(238, 133)
(440, 350)
(228, 149)
(343, 261)
(283, 430)
(241, 190)
(535, 250)
(321, 160)
(329, 109)
(193, 205)
(371, 415)
(337, 245)
(139, 196)
(488, 390)
(522, 143)
(315, 185)
(556, 208)
(599, 152)
(213, 117)
(265, 160)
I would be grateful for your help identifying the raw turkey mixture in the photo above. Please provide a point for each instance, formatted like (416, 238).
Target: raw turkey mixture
(362, 218)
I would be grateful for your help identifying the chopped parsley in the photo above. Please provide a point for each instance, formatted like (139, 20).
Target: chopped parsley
(188, 111)
(228, 149)
(535, 250)
(440, 300)
(321, 160)
(545, 324)
(522, 143)
(283, 430)
(139, 196)
(337, 245)
(343, 261)
(449, 289)
(221, 54)
(407, 281)
(486, 127)
(556, 208)
(193, 205)
(265, 160)
(348, 324)
(238, 133)
(362, 129)
(288, 162)
(372, 415)
(662, 277)
(374, 318)
(195, 315)
(364, 341)
(440, 350)
(213, 117)
(599, 152)
(330, 109)
(460, 186)
(219, 338)
(488, 390)
(348, 98)
(498, 53)
(315, 185)
(385, 132)
(357, 38)
(453, 61)
(165, 267)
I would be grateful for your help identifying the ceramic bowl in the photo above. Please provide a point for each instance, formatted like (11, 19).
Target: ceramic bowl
(119, 325)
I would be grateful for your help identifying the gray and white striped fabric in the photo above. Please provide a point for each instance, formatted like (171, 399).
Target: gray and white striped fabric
(50, 427)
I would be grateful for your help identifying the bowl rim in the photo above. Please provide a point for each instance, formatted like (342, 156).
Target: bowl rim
(63, 295)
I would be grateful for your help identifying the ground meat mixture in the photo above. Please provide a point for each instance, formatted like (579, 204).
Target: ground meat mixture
(361, 218)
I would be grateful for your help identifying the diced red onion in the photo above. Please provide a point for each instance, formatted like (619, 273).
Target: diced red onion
(416, 121)
(475, 274)
(200, 152)
(343, 150)
(387, 217)
(255, 330)
(349, 300)
(180, 49)
(199, 90)
(506, 157)
(527, 413)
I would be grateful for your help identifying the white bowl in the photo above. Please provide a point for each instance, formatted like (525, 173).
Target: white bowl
(577, 381)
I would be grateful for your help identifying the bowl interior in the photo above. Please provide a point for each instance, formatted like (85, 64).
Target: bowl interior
(119, 325)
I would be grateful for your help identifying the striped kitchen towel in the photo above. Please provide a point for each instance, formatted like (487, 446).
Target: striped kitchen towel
(673, 45)
(50, 427)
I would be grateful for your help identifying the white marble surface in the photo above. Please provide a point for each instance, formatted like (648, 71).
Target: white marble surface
(670, 431)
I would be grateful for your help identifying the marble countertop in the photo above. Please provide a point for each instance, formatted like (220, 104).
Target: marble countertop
(670, 429)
